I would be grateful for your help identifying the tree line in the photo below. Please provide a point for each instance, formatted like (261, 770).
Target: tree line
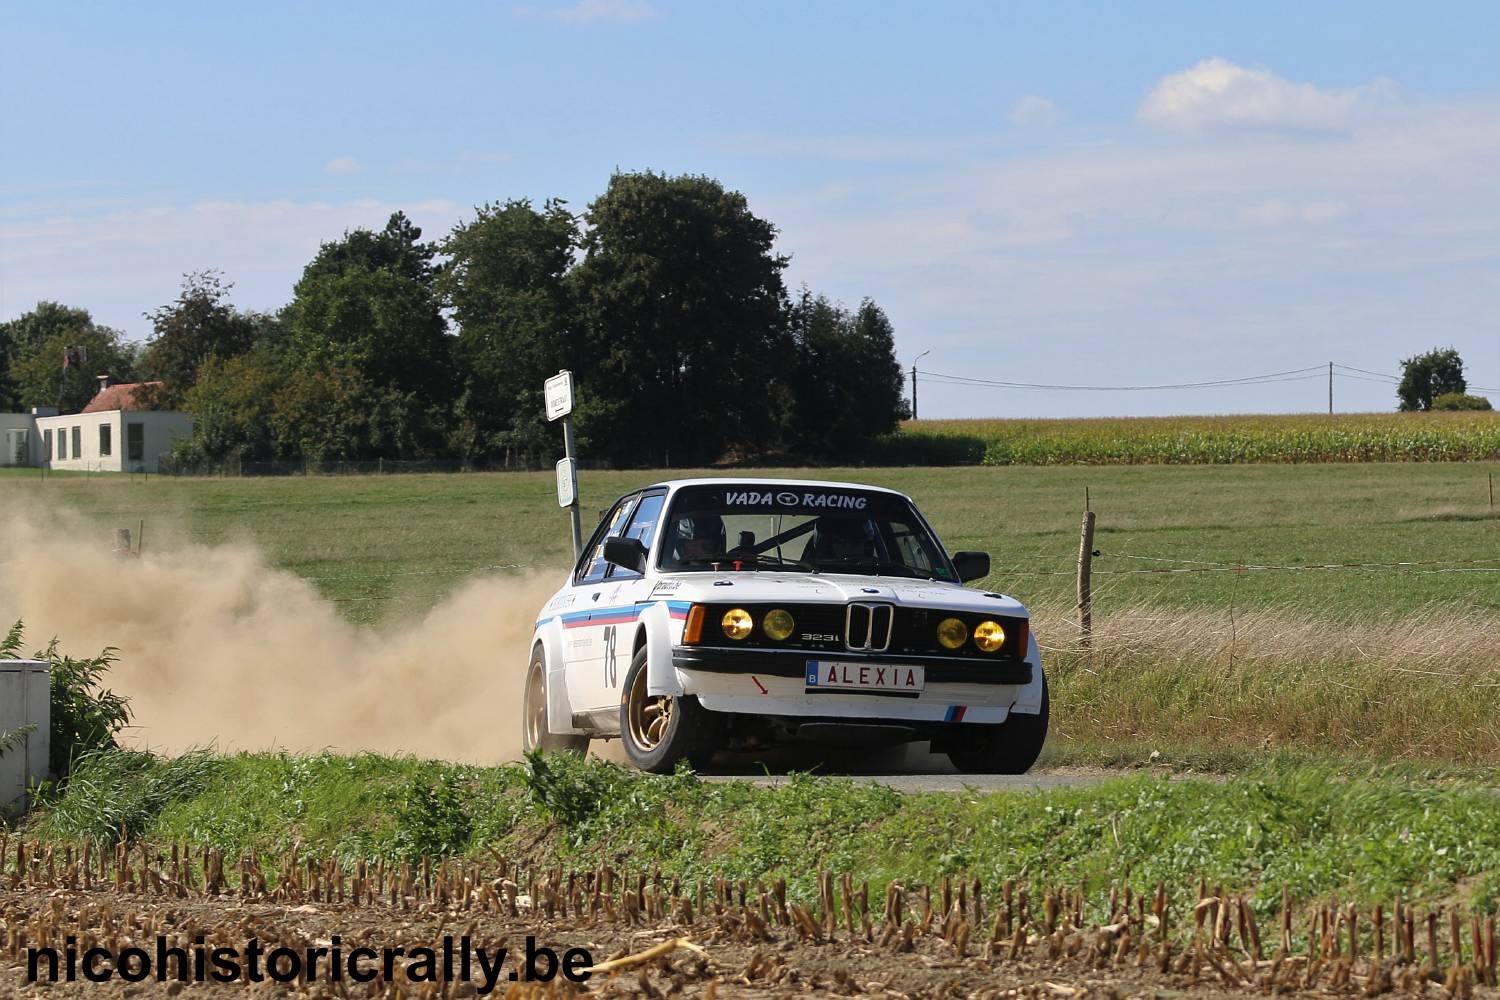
(666, 298)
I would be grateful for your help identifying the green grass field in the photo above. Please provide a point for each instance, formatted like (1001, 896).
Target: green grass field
(1297, 679)
(1210, 666)
(369, 540)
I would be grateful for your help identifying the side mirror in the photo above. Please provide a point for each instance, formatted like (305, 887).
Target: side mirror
(629, 553)
(970, 565)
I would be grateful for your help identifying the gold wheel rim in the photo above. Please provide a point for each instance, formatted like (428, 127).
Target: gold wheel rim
(536, 706)
(649, 717)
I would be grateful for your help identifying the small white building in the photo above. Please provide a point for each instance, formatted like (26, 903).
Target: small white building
(18, 437)
(113, 433)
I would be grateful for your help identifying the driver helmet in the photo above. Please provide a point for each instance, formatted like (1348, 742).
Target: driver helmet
(845, 536)
(698, 535)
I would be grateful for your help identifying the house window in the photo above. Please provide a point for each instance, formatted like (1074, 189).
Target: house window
(104, 441)
(135, 442)
(77, 442)
(62, 443)
(47, 444)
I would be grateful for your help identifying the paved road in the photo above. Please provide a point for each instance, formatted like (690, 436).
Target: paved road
(906, 769)
(947, 782)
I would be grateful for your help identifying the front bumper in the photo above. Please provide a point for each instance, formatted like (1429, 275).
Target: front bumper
(793, 663)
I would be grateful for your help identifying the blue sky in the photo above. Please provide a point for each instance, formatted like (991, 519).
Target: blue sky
(1054, 193)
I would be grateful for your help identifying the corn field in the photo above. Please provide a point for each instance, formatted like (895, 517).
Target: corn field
(957, 937)
(1355, 437)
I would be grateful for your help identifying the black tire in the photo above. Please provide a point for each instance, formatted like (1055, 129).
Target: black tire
(1009, 748)
(534, 734)
(659, 731)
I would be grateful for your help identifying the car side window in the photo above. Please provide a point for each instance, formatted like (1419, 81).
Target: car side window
(912, 551)
(594, 566)
(643, 525)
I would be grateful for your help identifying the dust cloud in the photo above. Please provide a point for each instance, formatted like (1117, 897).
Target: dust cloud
(218, 648)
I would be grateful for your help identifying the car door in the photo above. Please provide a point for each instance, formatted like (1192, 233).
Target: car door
(583, 626)
(625, 594)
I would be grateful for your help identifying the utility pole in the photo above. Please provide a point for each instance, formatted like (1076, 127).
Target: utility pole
(919, 357)
(1330, 388)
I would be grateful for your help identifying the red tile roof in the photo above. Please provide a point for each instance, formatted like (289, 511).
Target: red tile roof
(118, 397)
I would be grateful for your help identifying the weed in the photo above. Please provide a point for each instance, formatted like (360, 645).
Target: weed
(114, 793)
(432, 818)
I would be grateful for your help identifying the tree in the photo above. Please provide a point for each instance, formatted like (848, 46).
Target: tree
(817, 329)
(681, 311)
(43, 371)
(8, 396)
(232, 401)
(1429, 375)
(367, 303)
(1460, 401)
(505, 284)
(23, 336)
(845, 378)
(200, 325)
(338, 415)
(879, 404)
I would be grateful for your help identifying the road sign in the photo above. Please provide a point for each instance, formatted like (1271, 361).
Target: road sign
(567, 482)
(559, 389)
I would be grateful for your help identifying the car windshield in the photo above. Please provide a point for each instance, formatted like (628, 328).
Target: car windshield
(812, 529)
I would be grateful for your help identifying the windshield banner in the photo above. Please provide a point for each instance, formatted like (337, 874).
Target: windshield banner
(732, 498)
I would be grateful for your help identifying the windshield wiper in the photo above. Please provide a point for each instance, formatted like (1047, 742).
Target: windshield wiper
(877, 564)
(747, 561)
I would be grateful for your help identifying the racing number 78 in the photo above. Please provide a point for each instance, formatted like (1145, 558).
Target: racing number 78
(610, 675)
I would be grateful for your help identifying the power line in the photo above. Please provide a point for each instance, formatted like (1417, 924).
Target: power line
(1363, 378)
(1366, 371)
(1342, 371)
(1294, 375)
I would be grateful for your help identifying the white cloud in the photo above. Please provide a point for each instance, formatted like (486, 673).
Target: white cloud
(592, 11)
(124, 260)
(852, 148)
(1034, 110)
(342, 165)
(1136, 256)
(1218, 93)
(482, 156)
(1279, 212)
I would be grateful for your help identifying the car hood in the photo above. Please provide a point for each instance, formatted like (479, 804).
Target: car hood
(830, 588)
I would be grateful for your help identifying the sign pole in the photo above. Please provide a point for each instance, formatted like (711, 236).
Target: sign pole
(571, 451)
(558, 393)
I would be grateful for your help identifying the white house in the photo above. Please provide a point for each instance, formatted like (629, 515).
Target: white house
(18, 438)
(113, 433)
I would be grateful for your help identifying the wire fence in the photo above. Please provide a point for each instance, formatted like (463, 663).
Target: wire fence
(370, 467)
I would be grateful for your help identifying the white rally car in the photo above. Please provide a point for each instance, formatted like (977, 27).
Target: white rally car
(720, 614)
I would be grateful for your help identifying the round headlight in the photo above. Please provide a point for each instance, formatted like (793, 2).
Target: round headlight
(737, 623)
(951, 632)
(778, 624)
(989, 636)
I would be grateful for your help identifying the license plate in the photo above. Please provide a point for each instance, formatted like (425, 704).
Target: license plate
(865, 678)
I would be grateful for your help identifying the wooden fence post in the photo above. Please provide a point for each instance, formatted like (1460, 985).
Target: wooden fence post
(1085, 565)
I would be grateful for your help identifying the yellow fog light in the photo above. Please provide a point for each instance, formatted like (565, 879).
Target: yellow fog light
(951, 633)
(737, 623)
(989, 636)
(778, 624)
